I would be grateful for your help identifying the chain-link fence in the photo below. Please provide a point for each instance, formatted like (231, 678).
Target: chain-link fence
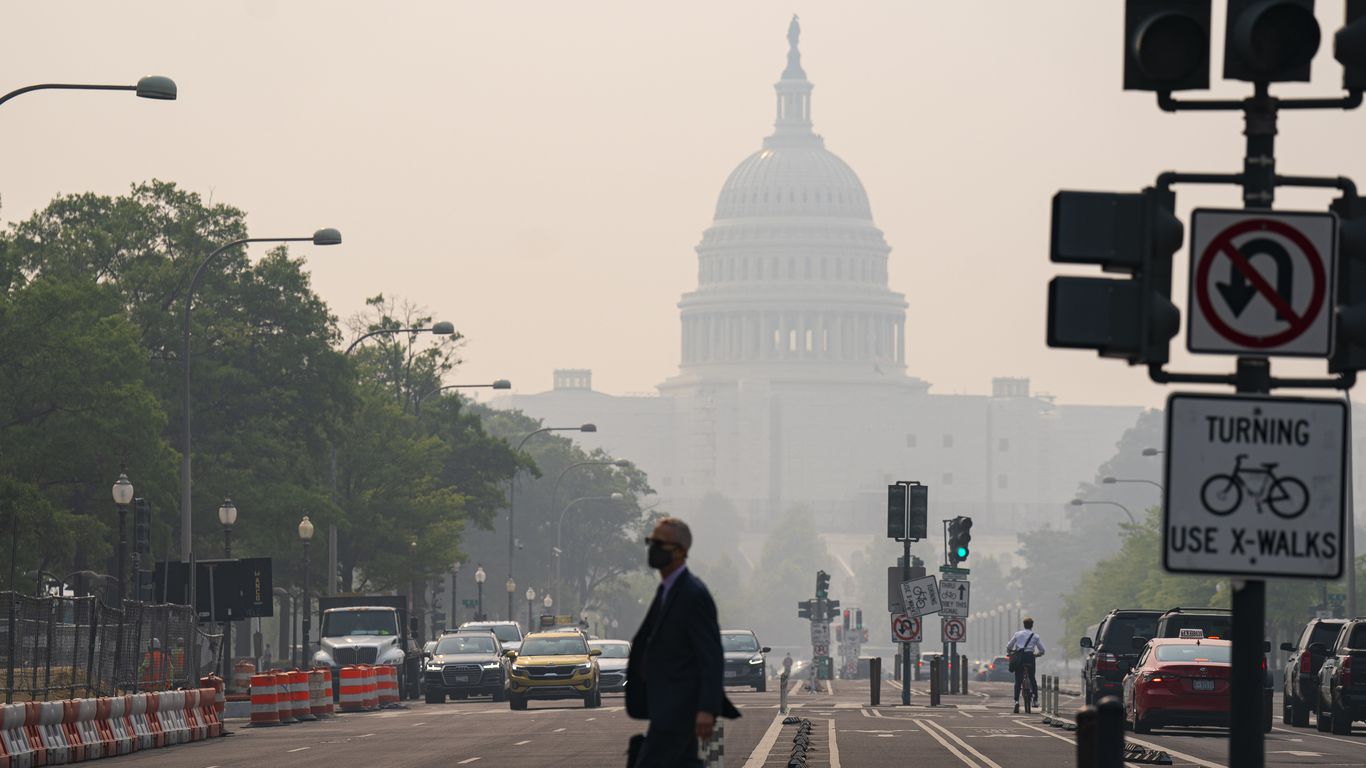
(67, 647)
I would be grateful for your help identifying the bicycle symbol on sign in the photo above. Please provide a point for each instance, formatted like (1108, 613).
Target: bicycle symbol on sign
(922, 597)
(1286, 497)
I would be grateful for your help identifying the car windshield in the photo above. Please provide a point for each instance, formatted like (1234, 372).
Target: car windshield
(613, 650)
(1219, 626)
(506, 633)
(554, 646)
(1121, 631)
(1195, 654)
(465, 643)
(359, 623)
(744, 642)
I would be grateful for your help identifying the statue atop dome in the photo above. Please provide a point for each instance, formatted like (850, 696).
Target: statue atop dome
(794, 57)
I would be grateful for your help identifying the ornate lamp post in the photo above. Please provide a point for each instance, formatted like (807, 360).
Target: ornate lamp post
(549, 603)
(227, 516)
(306, 536)
(512, 587)
(455, 602)
(123, 496)
(530, 596)
(479, 577)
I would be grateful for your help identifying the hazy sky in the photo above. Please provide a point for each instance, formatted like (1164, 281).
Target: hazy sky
(539, 172)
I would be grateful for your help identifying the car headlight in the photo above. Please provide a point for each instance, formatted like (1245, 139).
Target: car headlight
(756, 660)
(433, 667)
(489, 665)
(584, 667)
(518, 671)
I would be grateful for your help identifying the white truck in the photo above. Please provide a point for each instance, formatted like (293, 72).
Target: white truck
(369, 629)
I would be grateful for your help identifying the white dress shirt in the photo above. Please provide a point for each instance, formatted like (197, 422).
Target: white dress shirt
(1026, 640)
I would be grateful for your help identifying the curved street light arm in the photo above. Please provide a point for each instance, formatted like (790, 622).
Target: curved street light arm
(64, 87)
(382, 332)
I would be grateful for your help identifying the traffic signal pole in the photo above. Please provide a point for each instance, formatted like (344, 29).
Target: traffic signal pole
(906, 647)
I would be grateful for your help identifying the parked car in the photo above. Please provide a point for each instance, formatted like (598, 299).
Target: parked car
(1112, 652)
(1300, 683)
(1342, 694)
(1179, 682)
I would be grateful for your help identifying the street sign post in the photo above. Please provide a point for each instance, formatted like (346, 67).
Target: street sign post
(905, 629)
(920, 597)
(1255, 486)
(954, 629)
(1261, 282)
(953, 598)
(820, 634)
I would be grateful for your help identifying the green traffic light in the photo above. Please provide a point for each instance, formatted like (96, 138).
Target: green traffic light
(962, 552)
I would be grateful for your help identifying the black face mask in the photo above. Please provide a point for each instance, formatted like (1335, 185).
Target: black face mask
(658, 556)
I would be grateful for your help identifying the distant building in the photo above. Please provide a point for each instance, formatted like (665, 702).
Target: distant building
(793, 386)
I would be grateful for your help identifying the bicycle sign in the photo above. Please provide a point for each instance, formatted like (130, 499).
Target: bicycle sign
(1254, 486)
(920, 596)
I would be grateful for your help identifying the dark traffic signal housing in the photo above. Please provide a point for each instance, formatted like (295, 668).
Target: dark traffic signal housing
(1133, 233)
(960, 537)
(1166, 45)
(1349, 46)
(804, 609)
(1270, 41)
(822, 585)
(832, 610)
(1349, 353)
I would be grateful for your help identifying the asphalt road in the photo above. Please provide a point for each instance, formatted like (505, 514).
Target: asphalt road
(978, 731)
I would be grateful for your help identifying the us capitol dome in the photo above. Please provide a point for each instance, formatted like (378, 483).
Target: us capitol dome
(792, 273)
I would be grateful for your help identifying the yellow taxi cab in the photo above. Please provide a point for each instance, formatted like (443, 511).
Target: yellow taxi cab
(554, 665)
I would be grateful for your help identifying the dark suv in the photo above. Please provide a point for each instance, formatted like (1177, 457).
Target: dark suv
(1301, 680)
(1112, 651)
(1342, 679)
(464, 663)
(745, 662)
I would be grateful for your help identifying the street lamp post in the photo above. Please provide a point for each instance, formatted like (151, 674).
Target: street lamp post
(530, 596)
(1084, 502)
(306, 536)
(153, 87)
(479, 577)
(512, 587)
(455, 600)
(1113, 480)
(320, 237)
(549, 603)
(559, 529)
(495, 384)
(123, 496)
(512, 483)
(227, 516)
(439, 328)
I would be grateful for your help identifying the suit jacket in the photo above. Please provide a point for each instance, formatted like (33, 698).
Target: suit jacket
(676, 664)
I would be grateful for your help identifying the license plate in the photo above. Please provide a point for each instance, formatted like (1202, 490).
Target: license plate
(1204, 685)
(462, 678)
(732, 673)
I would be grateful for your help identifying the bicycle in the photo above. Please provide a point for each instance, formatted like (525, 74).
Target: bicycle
(1286, 497)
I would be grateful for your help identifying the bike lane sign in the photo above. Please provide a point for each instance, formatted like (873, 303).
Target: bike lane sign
(1254, 486)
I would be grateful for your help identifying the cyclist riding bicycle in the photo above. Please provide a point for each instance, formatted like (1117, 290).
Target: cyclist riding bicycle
(1024, 647)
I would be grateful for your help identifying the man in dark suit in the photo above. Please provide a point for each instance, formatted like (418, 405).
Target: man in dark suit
(673, 677)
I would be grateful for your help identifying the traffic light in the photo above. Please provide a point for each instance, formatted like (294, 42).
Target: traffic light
(832, 610)
(804, 609)
(1133, 233)
(1166, 45)
(918, 511)
(960, 536)
(1349, 350)
(822, 585)
(846, 619)
(896, 512)
(1349, 46)
(1270, 41)
(858, 618)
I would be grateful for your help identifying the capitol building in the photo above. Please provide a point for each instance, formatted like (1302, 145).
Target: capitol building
(794, 387)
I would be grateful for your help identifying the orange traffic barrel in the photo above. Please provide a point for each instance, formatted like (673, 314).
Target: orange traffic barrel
(352, 693)
(263, 711)
(298, 695)
(327, 689)
(283, 701)
(386, 681)
(242, 672)
(371, 688)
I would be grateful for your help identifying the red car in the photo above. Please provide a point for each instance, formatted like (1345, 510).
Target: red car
(1179, 681)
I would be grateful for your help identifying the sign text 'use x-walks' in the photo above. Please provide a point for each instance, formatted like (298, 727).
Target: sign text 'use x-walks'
(1261, 282)
(920, 596)
(1255, 486)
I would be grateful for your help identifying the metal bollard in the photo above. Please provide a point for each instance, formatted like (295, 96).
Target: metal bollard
(1086, 737)
(936, 679)
(782, 693)
(1110, 733)
(1047, 694)
(1057, 692)
(875, 680)
(963, 665)
(896, 665)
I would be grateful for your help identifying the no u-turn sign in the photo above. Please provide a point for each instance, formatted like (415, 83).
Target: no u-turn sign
(1262, 282)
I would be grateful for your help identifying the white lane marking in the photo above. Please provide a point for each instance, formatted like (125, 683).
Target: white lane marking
(988, 761)
(296, 749)
(834, 747)
(467, 760)
(1174, 753)
(965, 714)
(953, 751)
(523, 741)
(759, 756)
(559, 730)
(365, 735)
(589, 719)
(1295, 753)
(1320, 736)
(416, 724)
